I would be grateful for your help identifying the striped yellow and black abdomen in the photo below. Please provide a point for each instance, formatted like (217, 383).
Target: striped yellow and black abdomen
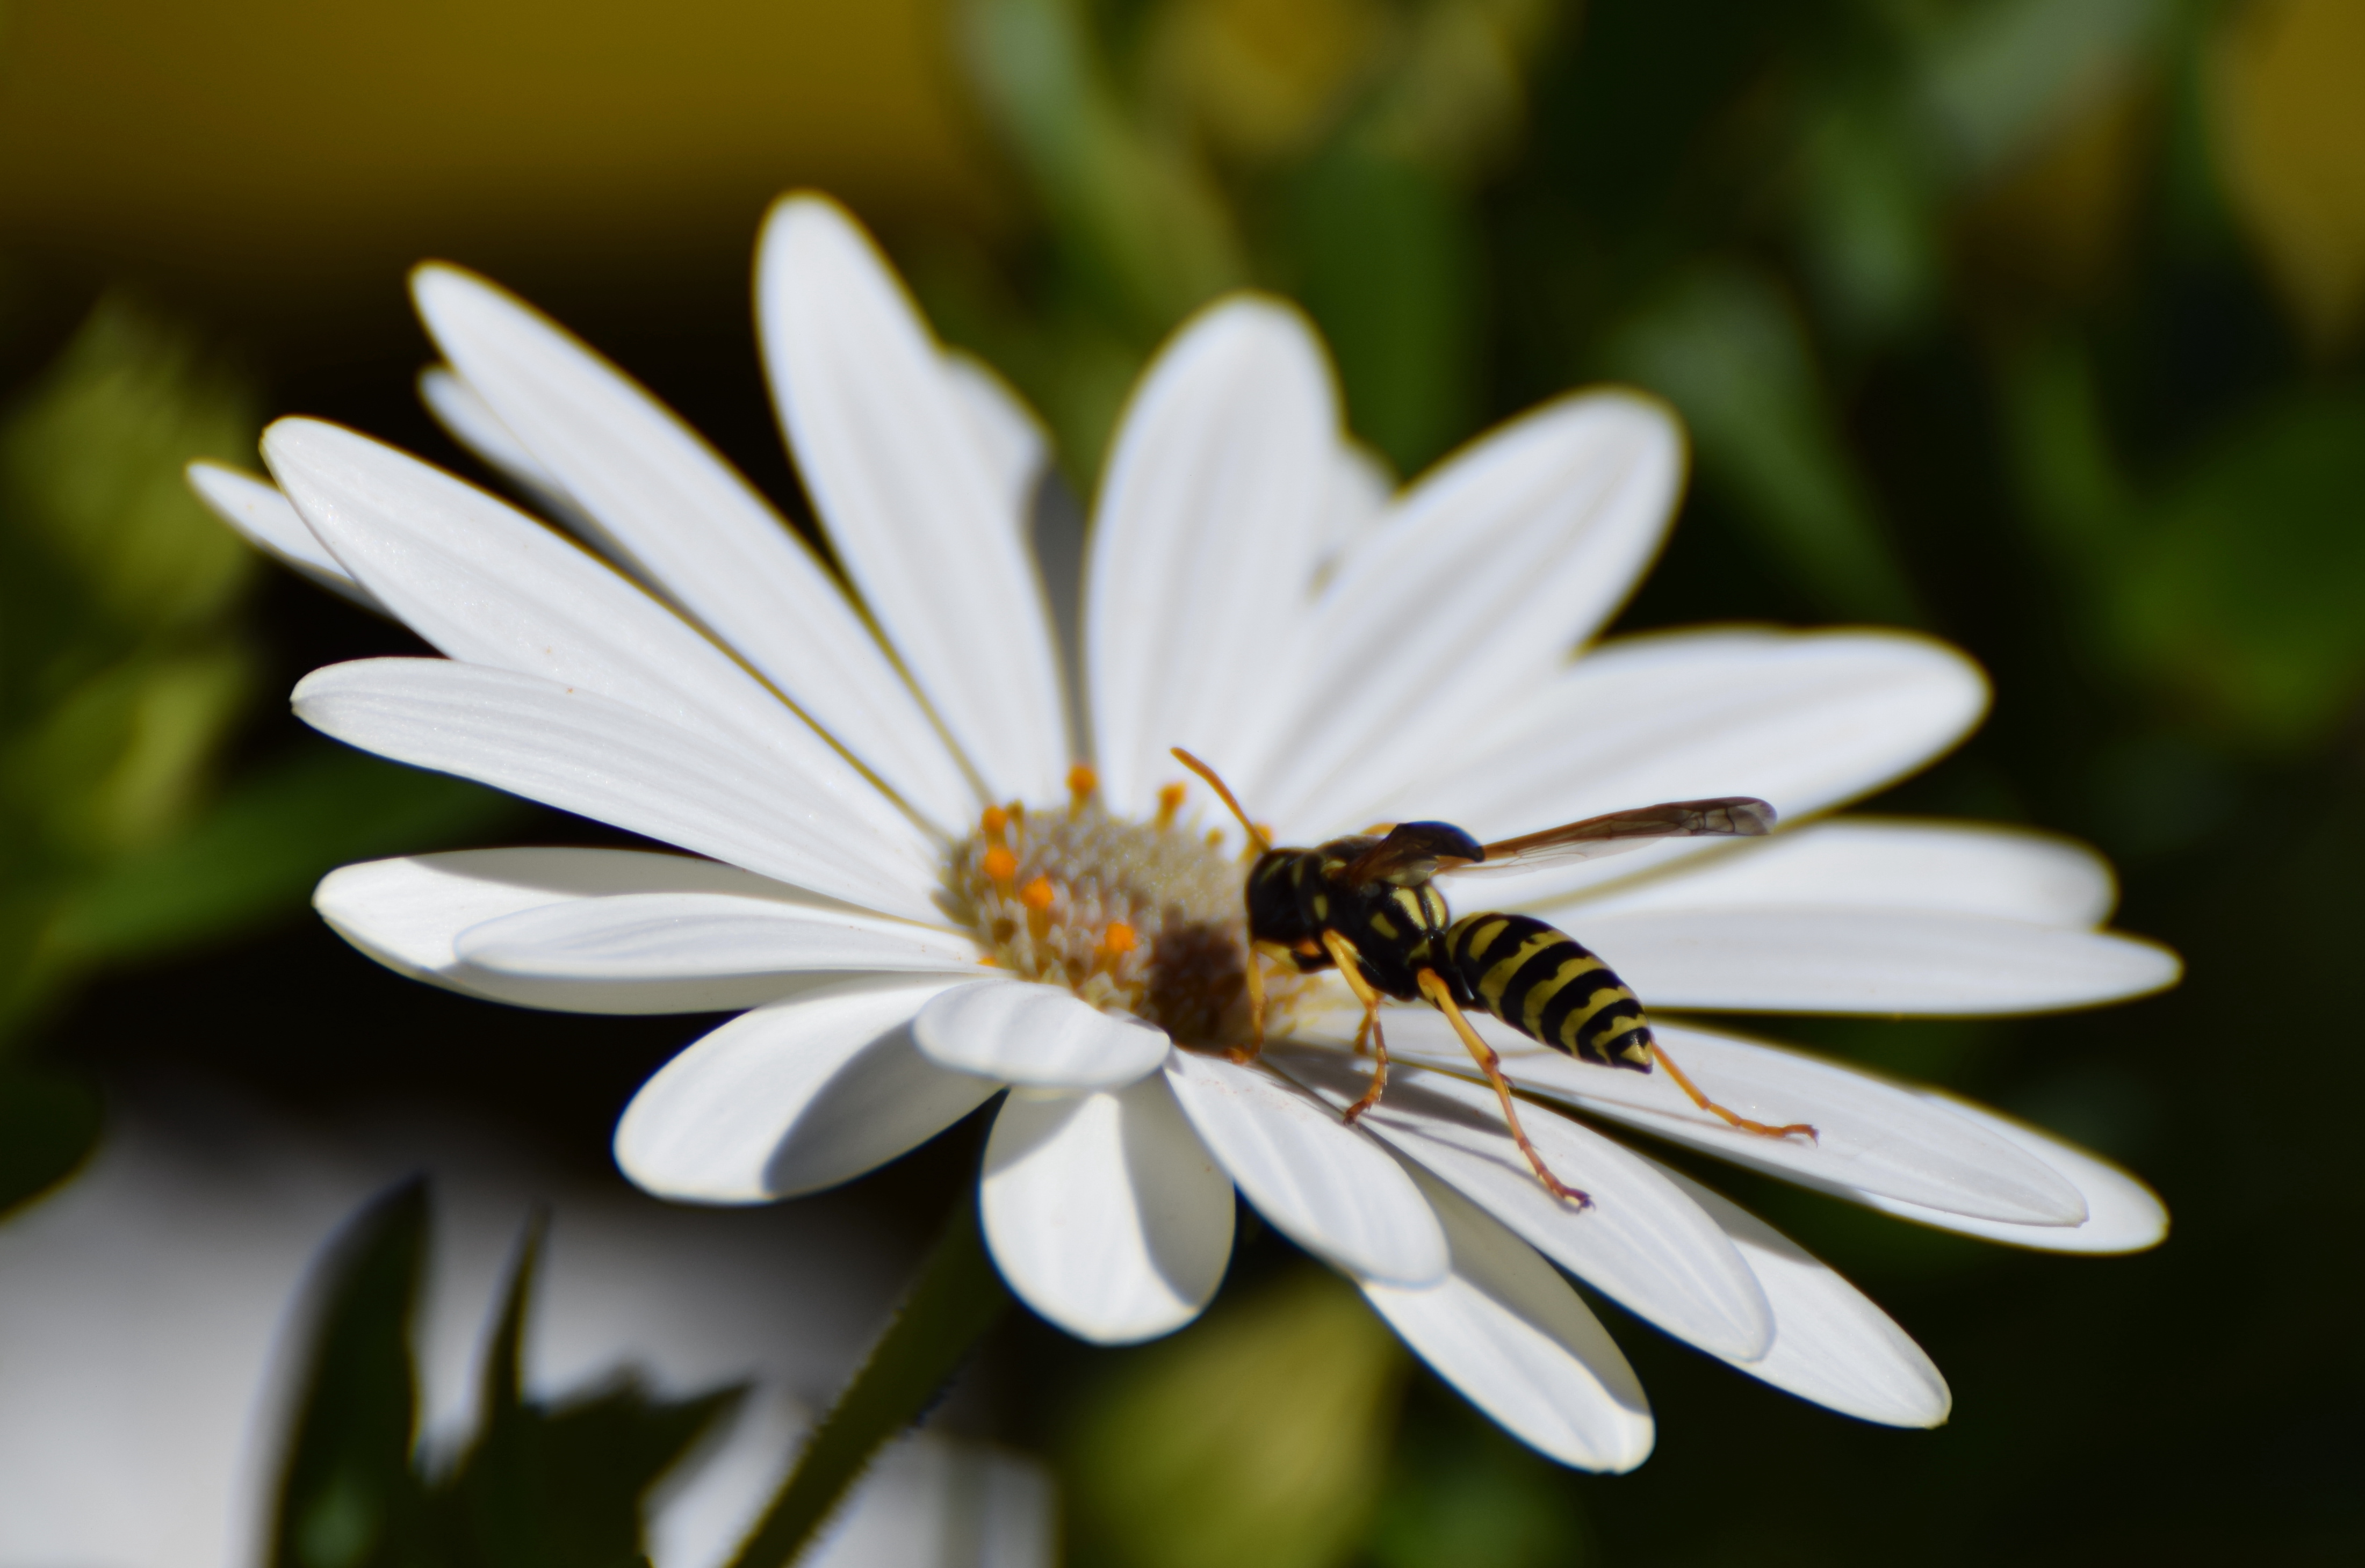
(1549, 987)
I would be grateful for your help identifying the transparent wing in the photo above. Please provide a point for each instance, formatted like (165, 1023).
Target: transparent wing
(1729, 816)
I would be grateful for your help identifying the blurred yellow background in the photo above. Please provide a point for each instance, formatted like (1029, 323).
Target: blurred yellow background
(285, 144)
(2289, 92)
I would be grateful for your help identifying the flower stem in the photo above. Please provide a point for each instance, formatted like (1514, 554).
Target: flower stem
(958, 1297)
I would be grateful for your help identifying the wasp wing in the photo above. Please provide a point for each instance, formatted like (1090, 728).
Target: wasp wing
(1411, 854)
(1728, 816)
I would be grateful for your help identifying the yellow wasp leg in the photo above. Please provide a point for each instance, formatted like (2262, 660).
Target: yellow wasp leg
(1433, 988)
(1684, 1083)
(1257, 1005)
(1342, 953)
(1255, 1048)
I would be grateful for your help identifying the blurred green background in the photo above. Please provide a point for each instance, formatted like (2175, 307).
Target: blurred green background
(2036, 323)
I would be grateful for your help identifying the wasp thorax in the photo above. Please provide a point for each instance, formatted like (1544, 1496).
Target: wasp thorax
(1141, 917)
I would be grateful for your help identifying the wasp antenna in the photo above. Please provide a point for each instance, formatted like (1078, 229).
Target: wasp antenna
(1256, 835)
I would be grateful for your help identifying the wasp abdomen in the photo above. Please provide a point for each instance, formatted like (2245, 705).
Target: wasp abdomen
(1549, 987)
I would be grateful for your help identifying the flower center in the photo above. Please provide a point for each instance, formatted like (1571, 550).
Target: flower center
(1139, 917)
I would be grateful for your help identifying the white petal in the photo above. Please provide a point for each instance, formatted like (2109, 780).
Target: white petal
(916, 504)
(672, 511)
(1483, 579)
(1871, 1136)
(467, 419)
(1014, 440)
(269, 522)
(601, 759)
(1876, 863)
(1325, 1185)
(1040, 1036)
(1804, 720)
(627, 942)
(794, 1097)
(1361, 488)
(1867, 960)
(489, 585)
(1520, 1345)
(1830, 1343)
(1105, 1211)
(1641, 1242)
(409, 914)
(1205, 541)
(2122, 1214)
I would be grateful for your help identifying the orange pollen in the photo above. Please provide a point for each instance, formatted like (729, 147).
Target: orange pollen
(1170, 800)
(1131, 916)
(1083, 781)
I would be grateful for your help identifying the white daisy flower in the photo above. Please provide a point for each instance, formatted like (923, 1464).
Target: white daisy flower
(919, 907)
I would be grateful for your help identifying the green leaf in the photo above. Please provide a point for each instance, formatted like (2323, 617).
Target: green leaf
(1134, 210)
(1867, 216)
(2243, 589)
(1388, 258)
(560, 1487)
(594, 1459)
(493, 1502)
(1727, 348)
(91, 462)
(122, 668)
(347, 1496)
(118, 763)
(1462, 1495)
(1256, 1438)
(540, 1486)
(1997, 77)
(2069, 479)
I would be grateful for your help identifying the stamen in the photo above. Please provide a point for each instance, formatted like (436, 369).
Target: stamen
(1082, 782)
(1115, 942)
(1037, 896)
(1131, 916)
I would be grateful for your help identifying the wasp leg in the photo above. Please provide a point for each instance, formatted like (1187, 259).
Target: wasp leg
(1433, 988)
(1684, 1083)
(1255, 1048)
(1342, 953)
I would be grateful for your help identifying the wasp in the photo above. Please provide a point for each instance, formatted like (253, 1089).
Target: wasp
(1366, 905)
